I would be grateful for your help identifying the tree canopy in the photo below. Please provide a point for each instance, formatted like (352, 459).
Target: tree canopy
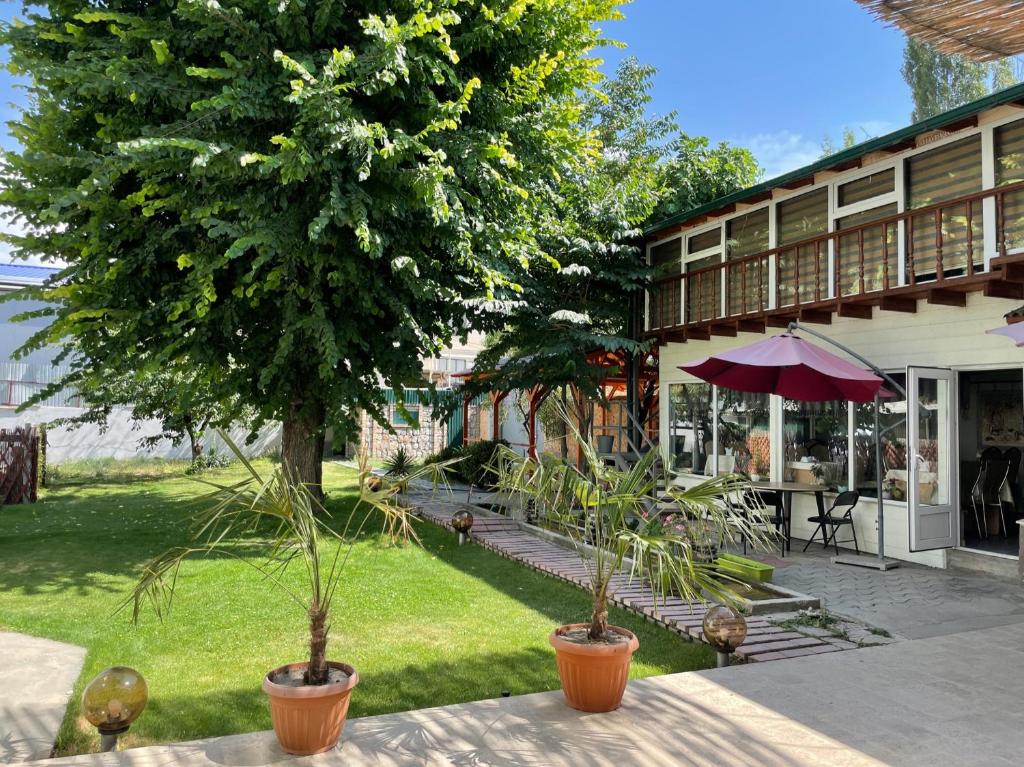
(581, 299)
(942, 81)
(296, 198)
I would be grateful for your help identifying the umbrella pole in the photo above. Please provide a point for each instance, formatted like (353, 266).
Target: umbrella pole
(878, 481)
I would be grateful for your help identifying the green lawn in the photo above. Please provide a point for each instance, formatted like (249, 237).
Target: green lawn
(424, 626)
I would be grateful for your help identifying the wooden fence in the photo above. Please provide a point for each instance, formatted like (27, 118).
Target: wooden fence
(20, 458)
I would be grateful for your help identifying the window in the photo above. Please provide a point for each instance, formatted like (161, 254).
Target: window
(744, 441)
(893, 426)
(397, 419)
(867, 187)
(802, 271)
(815, 441)
(950, 171)
(747, 235)
(705, 241)
(879, 247)
(689, 425)
(666, 259)
(704, 288)
(1009, 144)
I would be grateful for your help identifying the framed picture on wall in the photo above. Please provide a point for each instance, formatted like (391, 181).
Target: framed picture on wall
(1002, 419)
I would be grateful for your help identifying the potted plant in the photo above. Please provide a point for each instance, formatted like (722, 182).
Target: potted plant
(830, 474)
(308, 700)
(621, 530)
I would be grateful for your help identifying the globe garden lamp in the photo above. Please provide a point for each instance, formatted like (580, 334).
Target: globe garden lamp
(724, 629)
(112, 701)
(462, 523)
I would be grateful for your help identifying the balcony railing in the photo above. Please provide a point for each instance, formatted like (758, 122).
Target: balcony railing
(932, 247)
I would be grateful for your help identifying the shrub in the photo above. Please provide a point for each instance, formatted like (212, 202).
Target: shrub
(399, 464)
(444, 454)
(211, 459)
(476, 466)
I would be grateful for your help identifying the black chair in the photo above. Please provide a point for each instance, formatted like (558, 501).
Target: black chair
(986, 493)
(1012, 456)
(829, 523)
(774, 516)
(991, 454)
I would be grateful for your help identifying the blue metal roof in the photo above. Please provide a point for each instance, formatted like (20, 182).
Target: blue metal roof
(25, 274)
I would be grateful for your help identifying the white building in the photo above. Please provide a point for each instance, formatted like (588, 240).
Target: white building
(905, 248)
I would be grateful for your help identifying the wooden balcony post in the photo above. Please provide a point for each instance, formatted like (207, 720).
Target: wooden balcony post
(911, 275)
(817, 270)
(939, 271)
(970, 237)
(1000, 223)
(885, 255)
(860, 265)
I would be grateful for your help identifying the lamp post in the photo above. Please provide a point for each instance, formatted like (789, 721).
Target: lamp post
(112, 701)
(724, 629)
(462, 523)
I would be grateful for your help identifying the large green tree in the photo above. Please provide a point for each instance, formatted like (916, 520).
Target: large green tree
(942, 81)
(178, 398)
(581, 300)
(302, 196)
(577, 300)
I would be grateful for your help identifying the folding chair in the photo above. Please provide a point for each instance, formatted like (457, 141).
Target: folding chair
(829, 523)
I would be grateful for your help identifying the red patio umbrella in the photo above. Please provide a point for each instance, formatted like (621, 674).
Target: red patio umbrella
(1014, 331)
(790, 366)
(796, 369)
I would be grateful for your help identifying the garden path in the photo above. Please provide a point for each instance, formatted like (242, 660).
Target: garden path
(765, 641)
(37, 677)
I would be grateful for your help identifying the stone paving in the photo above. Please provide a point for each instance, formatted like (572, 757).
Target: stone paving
(911, 601)
(937, 701)
(36, 680)
(765, 641)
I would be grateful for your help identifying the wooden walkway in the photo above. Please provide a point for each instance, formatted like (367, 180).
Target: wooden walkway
(504, 536)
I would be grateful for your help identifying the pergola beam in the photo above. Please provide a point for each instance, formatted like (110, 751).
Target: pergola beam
(983, 30)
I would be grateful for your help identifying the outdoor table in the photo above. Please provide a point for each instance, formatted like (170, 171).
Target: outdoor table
(786, 490)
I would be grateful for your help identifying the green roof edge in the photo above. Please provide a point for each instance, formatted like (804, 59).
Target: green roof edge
(881, 142)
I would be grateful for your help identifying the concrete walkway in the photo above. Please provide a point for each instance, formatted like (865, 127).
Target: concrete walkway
(911, 601)
(946, 700)
(36, 680)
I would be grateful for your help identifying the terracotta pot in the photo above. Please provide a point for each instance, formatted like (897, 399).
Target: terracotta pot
(593, 675)
(308, 719)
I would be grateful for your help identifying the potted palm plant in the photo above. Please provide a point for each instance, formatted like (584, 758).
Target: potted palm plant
(613, 520)
(308, 700)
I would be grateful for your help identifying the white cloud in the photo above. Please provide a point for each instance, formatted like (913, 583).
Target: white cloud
(785, 150)
(782, 151)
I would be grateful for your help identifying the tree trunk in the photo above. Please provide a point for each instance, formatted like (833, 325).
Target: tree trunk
(302, 441)
(193, 440)
(317, 673)
(599, 619)
(563, 442)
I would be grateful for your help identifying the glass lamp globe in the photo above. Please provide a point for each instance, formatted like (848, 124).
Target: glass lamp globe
(462, 521)
(724, 628)
(114, 699)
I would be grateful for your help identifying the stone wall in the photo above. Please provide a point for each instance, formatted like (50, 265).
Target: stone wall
(430, 437)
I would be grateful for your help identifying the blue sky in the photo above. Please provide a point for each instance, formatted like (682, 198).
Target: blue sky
(776, 76)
